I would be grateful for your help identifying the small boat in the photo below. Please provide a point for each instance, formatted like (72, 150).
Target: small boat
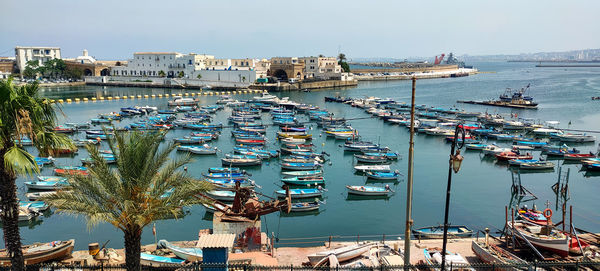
(203, 150)
(41, 252)
(64, 129)
(476, 146)
(224, 169)
(300, 193)
(159, 261)
(437, 232)
(238, 162)
(24, 142)
(342, 254)
(223, 195)
(305, 206)
(371, 159)
(578, 156)
(180, 101)
(33, 196)
(70, 170)
(45, 160)
(190, 254)
(34, 206)
(300, 166)
(363, 190)
(532, 216)
(305, 174)
(569, 137)
(434, 257)
(379, 175)
(226, 175)
(493, 150)
(250, 141)
(306, 181)
(81, 125)
(505, 156)
(380, 168)
(492, 254)
(537, 165)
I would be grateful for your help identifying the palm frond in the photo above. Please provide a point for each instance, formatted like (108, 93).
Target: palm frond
(19, 161)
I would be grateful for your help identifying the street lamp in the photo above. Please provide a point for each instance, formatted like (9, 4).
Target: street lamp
(454, 165)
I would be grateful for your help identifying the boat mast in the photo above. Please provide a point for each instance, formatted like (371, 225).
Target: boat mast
(409, 189)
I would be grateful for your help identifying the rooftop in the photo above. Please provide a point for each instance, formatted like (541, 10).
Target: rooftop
(216, 241)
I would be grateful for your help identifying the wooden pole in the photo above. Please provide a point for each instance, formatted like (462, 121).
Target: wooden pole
(506, 224)
(409, 184)
(563, 215)
(570, 219)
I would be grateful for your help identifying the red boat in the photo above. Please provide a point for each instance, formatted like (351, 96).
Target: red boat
(578, 156)
(63, 129)
(250, 141)
(508, 155)
(533, 216)
(70, 171)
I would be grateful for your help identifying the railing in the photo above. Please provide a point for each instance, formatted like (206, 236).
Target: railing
(573, 265)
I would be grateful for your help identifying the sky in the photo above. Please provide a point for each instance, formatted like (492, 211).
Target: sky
(115, 29)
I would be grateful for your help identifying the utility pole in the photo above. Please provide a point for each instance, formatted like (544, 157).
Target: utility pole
(409, 188)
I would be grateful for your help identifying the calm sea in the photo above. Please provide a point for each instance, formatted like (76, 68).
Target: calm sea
(480, 191)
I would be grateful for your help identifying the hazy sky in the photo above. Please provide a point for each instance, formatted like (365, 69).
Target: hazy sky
(114, 29)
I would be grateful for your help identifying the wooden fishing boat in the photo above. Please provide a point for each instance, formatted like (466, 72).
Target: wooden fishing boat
(379, 175)
(226, 175)
(190, 254)
(250, 141)
(518, 162)
(342, 254)
(306, 181)
(578, 156)
(160, 261)
(537, 165)
(305, 206)
(300, 193)
(240, 162)
(291, 140)
(569, 137)
(492, 254)
(306, 173)
(229, 184)
(476, 146)
(370, 159)
(64, 129)
(505, 156)
(434, 257)
(41, 252)
(203, 150)
(493, 150)
(70, 170)
(298, 135)
(365, 168)
(549, 240)
(533, 216)
(437, 232)
(363, 190)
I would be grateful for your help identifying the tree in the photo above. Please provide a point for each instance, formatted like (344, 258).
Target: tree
(73, 73)
(199, 76)
(342, 62)
(145, 186)
(243, 78)
(180, 74)
(162, 73)
(23, 114)
(31, 69)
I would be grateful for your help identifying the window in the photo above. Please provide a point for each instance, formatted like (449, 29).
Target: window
(164, 57)
(150, 65)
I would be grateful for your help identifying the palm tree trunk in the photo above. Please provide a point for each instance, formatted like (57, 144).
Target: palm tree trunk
(132, 249)
(10, 216)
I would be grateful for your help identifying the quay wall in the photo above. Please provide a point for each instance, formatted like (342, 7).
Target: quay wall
(306, 85)
(422, 75)
(407, 69)
(161, 82)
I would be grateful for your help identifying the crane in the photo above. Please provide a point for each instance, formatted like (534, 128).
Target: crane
(439, 60)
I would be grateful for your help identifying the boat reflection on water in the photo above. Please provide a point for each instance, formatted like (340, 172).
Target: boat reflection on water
(352, 197)
(371, 181)
(589, 174)
(307, 213)
(530, 171)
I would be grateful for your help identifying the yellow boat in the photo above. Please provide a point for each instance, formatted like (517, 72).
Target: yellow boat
(293, 135)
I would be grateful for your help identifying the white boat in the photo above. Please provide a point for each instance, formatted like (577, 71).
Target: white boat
(202, 150)
(493, 150)
(546, 131)
(183, 101)
(364, 190)
(224, 195)
(541, 237)
(159, 261)
(305, 206)
(492, 254)
(437, 131)
(38, 195)
(381, 168)
(291, 140)
(569, 137)
(433, 257)
(190, 254)
(342, 254)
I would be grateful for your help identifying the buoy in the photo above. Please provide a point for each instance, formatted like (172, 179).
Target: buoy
(93, 99)
(52, 101)
(547, 213)
(160, 95)
(109, 98)
(117, 98)
(85, 99)
(153, 96)
(193, 94)
(101, 98)
(69, 100)
(60, 100)
(124, 97)
(131, 97)
(77, 99)
(146, 96)
(166, 95)
(186, 94)
(139, 96)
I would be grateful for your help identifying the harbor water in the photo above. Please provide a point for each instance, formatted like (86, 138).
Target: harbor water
(480, 191)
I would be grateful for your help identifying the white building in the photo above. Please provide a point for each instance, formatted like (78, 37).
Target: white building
(261, 66)
(155, 64)
(321, 67)
(42, 54)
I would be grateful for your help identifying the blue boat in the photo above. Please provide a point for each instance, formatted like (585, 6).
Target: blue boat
(300, 166)
(44, 160)
(230, 183)
(47, 185)
(226, 175)
(535, 144)
(24, 142)
(34, 206)
(476, 146)
(518, 162)
(300, 193)
(159, 261)
(190, 254)
(378, 175)
(223, 169)
(167, 111)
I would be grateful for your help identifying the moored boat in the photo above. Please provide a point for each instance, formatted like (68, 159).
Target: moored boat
(342, 254)
(363, 190)
(41, 252)
(159, 261)
(190, 254)
(437, 232)
(300, 193)
(493, 254)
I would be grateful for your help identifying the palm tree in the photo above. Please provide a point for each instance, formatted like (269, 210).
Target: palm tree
(162, 73)
(145, 186)
(199, 76)
(341, 57)
(23, 114)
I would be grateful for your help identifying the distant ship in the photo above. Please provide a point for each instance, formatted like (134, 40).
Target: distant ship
(510, 98)
(452, 60)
